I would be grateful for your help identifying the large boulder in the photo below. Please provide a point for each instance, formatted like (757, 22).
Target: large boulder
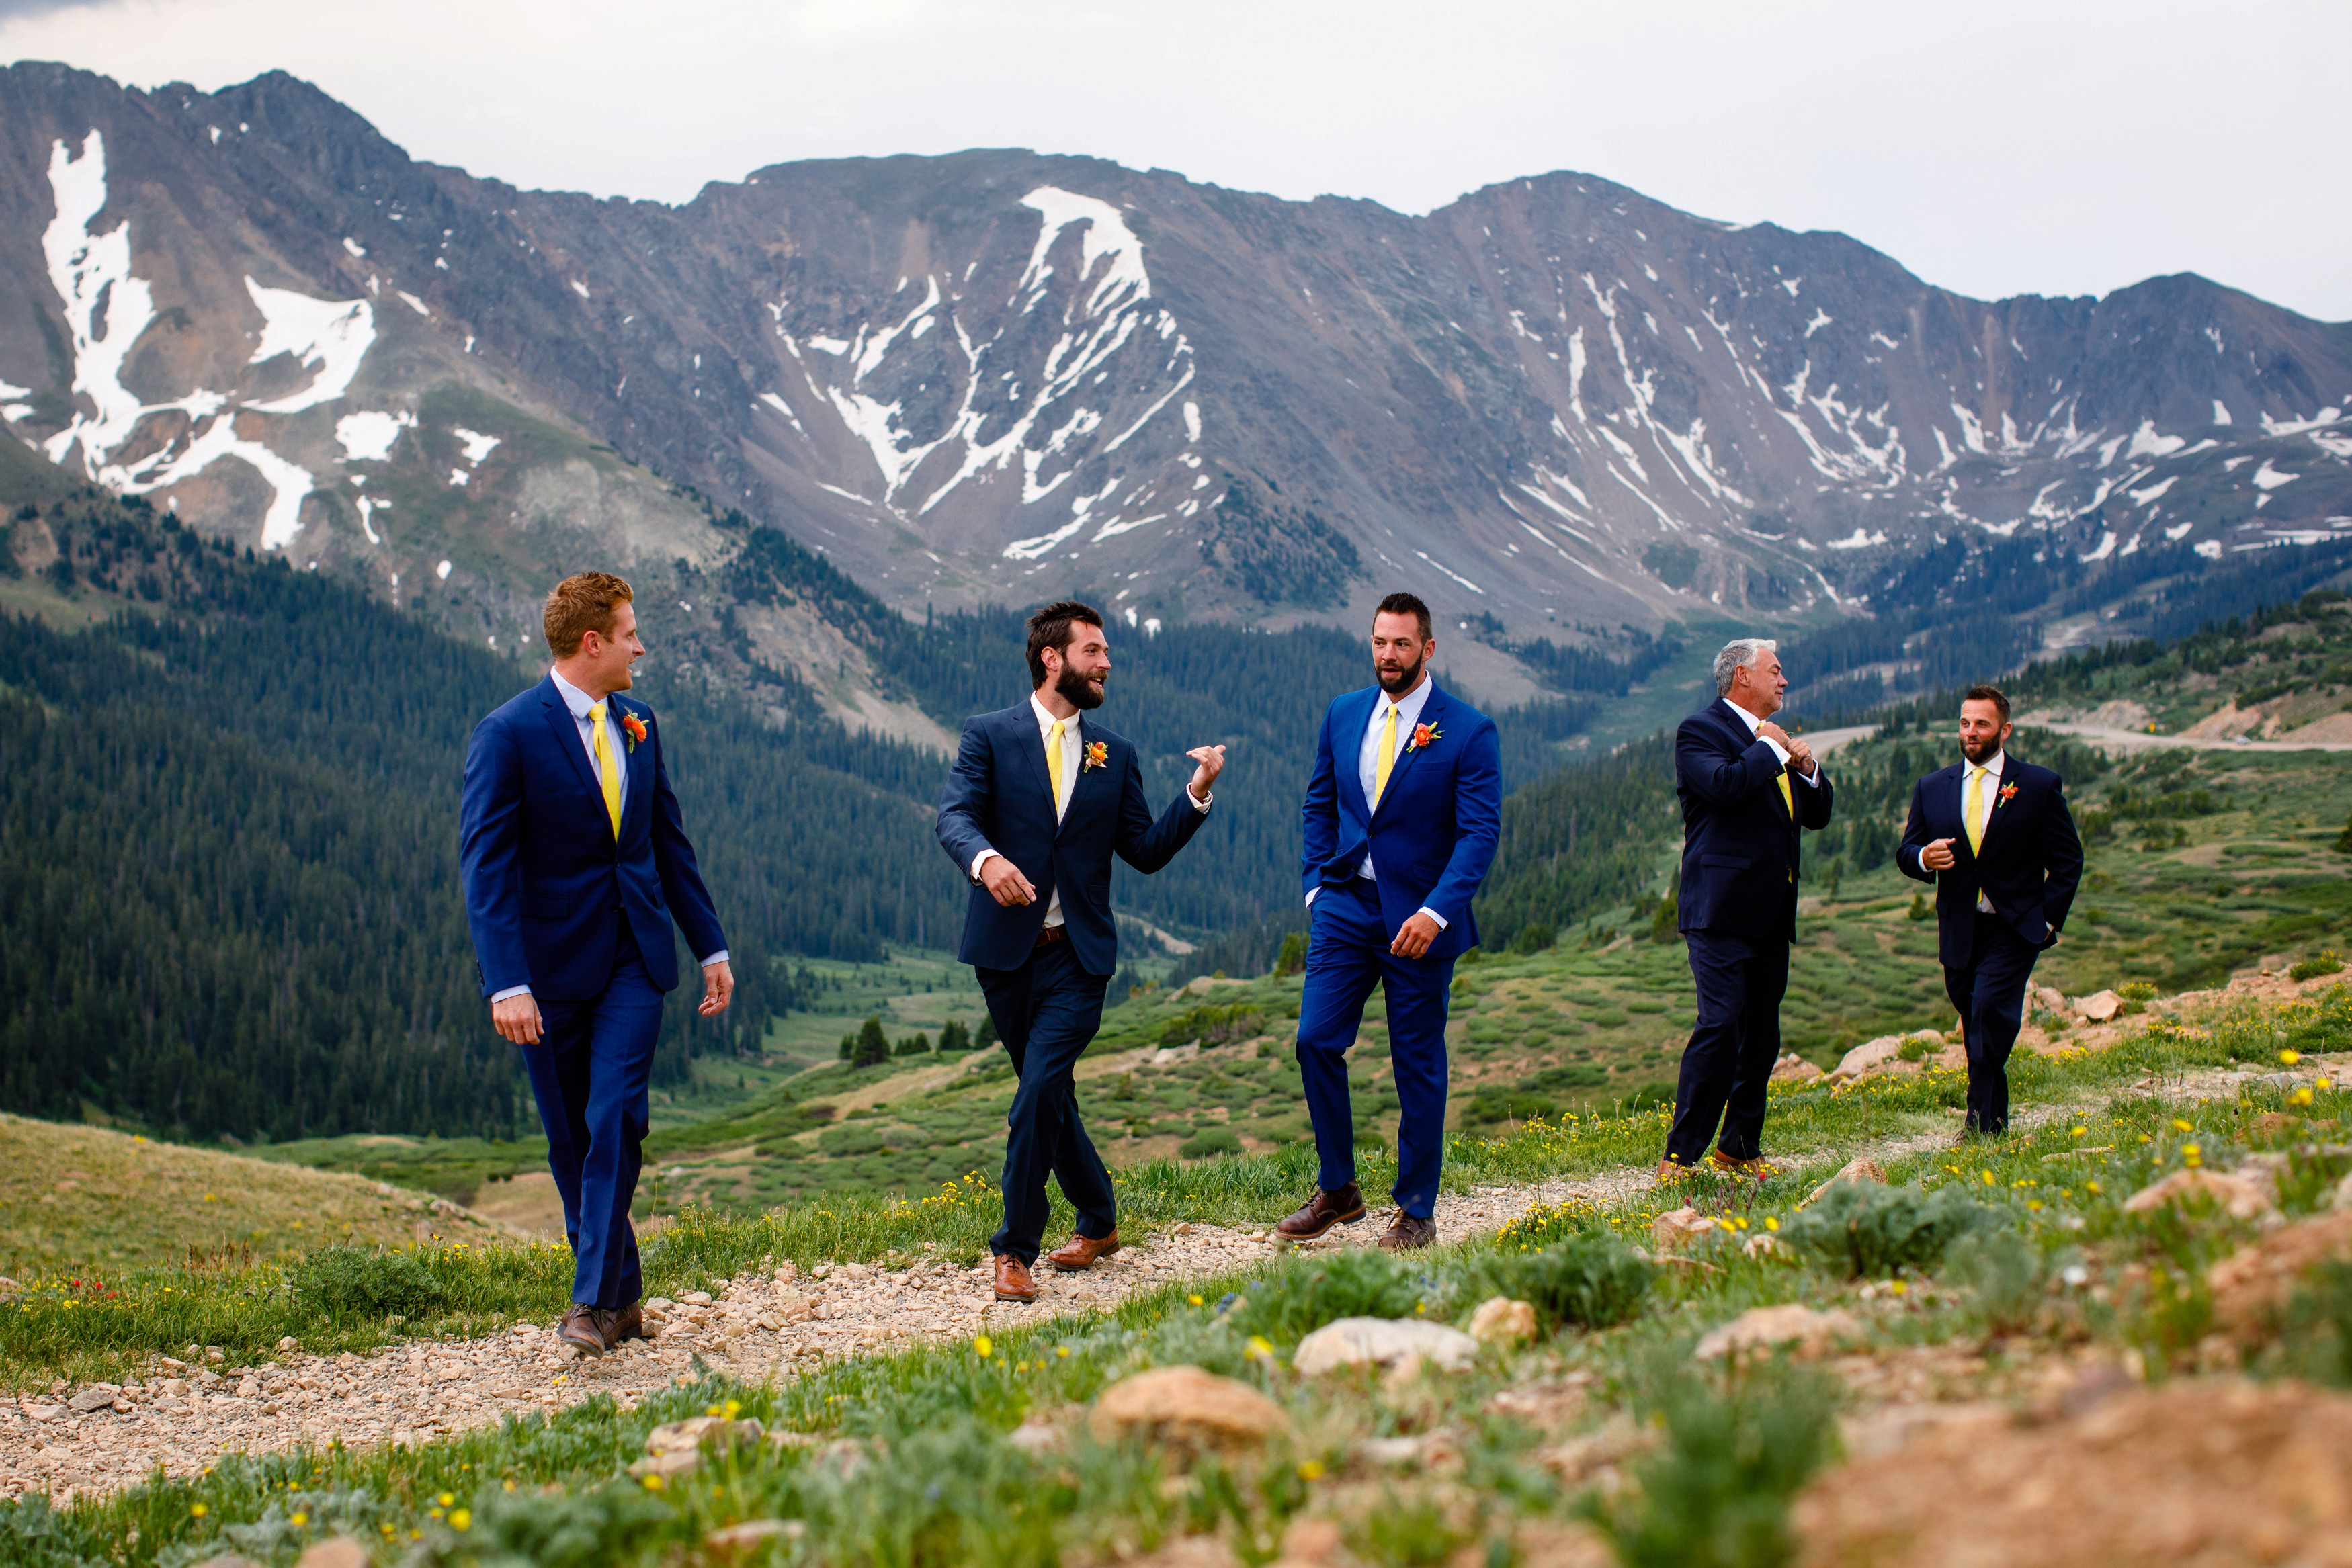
(1383, 1342)
(1186, 1406)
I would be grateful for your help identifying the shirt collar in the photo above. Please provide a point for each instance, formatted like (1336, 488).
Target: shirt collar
(1046, 721)
(578, 701)
(1750, 719)
(1409, 707)
(1992, 766)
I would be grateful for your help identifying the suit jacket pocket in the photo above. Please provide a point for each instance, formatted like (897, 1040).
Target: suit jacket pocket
(545, 908)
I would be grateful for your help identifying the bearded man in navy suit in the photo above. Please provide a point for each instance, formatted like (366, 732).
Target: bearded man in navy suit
(1039, 800)
(1748, 788)
(1401, 815)
(1995, 837)
(575, 859)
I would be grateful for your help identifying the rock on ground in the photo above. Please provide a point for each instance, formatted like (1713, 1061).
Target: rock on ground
(2251, 1287)
(2197, 1472)
(1186, 1405)
(1500, 1319)
(1383, 1342)
(1761, 1327)
(2241, 1198)
(1862, 1168)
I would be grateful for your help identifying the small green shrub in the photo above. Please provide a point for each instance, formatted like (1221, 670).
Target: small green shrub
(1718, 1495)
(2004, 1274)
(1209, 1143)
(2318, 1337)
(353, 1280)
(1593, 1282)
(1916, 1049)
(1873, 1230)
(1360, 1283)
(2328, 962)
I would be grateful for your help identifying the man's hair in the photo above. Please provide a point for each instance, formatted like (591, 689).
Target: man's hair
(1406, 604)
(1737, 654)
(581, 603)
(1989, 695)
(1050, 628)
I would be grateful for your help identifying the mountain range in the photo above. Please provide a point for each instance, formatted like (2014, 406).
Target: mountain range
(1557, 407)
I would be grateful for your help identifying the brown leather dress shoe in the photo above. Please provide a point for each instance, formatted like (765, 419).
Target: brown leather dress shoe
(1320, 1213)
(583, 1330)
(1406, 1232)
(1013, 1280)
(1670, 1173)
(629, 1322)
(1755, 1170)
(1083, 1252)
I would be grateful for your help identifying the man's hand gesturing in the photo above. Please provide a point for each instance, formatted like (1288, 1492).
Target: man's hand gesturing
(1937, 856)
(1211, 762)
(1772, 732)
(1005, 884)
(1801, 755)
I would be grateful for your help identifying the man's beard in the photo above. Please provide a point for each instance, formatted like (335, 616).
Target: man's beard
(1403, 681)
(1984, 751)
(1076, 687)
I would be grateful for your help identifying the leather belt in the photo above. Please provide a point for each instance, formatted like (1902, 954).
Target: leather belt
(1049, 934)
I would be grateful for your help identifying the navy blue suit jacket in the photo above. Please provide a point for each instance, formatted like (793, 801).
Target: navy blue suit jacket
(1433, 835)
(2028, 865)
(544, 874)
(1741, 850)
(998, 797)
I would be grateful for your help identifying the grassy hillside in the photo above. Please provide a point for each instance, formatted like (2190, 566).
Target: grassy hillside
(92, 1198)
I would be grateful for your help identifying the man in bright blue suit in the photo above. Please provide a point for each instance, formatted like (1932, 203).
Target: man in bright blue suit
(1748, 788)
(1995, 837)
(1039, 800)
(576, 861)
(1401, 818)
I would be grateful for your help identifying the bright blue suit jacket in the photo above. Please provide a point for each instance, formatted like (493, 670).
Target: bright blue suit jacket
(543, 871)
(2028, 865)
(1433, 835)
(1741, 852)
(998, 797)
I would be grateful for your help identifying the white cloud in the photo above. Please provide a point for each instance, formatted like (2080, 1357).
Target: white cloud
(2012, 148)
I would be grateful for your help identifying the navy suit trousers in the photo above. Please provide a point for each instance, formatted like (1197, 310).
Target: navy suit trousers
(1046, 1012)
(1731, 1051)
(1990, 996)
(589, 1072)
(1347, 955)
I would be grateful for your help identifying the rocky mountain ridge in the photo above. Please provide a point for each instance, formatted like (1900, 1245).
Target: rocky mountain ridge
(1553, 405)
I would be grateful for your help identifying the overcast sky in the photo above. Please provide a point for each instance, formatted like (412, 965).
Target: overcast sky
(2056, 147)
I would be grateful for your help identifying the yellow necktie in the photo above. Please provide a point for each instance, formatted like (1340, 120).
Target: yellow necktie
(1384, 759)
(608, 777)
(1787, 799)
(1973, 811)
(1054, 765)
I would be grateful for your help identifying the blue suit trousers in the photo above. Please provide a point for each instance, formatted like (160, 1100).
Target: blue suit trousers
(1347, 955)
(1046, 1012)
(589, 1072)
(1989, 993)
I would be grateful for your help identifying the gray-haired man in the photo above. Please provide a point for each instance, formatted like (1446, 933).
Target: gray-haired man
(1747, 786)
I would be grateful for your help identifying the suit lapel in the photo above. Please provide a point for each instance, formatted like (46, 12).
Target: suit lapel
(1432, 710)
(1079, 793)
(1994, 810)
(1030, 747)
(637, 763)
(1348, 765)
(567, 735)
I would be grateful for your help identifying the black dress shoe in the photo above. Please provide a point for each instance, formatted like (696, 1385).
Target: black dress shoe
(1407, 1232)
(1320, 1213)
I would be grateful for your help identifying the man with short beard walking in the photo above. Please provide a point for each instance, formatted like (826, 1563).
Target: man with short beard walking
(1037, 802)
(1995, 837)
(1402, 814)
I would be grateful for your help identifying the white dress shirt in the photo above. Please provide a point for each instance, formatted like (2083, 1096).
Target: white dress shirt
(1368, 761)
(1073, 759)
(617, 738)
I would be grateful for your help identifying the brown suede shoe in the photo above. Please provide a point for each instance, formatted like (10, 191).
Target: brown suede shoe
(1406, 1232)
(1670, 1173)
(1320, 1213)
(1013, 1280)
(629, 1322)
(1755, 1170)
(1083, 1252)
(583, 1330)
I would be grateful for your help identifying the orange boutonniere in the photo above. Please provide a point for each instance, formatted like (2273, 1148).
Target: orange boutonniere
(633, 726)
(1425, 736)
(2008, 793)
(1098, 753)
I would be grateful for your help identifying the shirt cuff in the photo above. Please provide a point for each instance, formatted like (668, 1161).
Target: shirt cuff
(718, 958)
(510, 991)
(1813, 779)
(1201, 805)
(1779, 751)
(978, 861)
(1424, 909)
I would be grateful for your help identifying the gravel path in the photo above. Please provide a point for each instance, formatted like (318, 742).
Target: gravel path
(185, 1415)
